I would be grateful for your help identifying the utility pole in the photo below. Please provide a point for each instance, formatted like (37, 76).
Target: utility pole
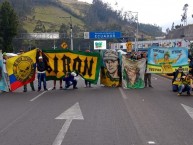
(133, 16)
(71, 32)
(71, 37)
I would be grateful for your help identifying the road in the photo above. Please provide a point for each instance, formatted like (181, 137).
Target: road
(97, 116)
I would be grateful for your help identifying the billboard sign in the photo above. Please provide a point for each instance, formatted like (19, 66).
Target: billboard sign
(41, 36)
(102, 35)
(100, 45)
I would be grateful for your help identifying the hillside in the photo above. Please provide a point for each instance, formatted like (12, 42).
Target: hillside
(86, 17)
(40, 16)
(50, 16)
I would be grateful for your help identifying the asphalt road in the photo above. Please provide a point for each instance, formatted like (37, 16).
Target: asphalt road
(97, 116)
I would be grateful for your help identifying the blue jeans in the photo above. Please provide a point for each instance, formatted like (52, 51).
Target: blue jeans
(184, 88)
(41, 78)
(174, 88)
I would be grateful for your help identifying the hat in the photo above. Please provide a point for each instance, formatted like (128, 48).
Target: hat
(40, 57)
(110, 55)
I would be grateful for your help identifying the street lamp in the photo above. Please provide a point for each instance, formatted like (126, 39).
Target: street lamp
(71, 36)
(133, 16)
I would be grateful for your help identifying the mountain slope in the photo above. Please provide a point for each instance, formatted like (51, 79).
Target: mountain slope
(50, 16)
(85, 17)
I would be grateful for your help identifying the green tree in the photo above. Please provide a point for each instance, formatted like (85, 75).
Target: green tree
(8, 26)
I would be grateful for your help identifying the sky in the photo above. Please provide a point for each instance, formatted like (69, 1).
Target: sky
(156, 12)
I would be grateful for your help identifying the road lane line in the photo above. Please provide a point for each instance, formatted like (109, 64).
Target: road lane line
(151, 142)
(123, 95)
(39, 95)
(189, 110)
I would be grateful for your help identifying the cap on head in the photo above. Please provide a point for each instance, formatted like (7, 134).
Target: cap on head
(40, 57)
(110, 55)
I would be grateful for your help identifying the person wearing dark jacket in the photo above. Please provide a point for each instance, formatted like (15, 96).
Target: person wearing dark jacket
(70, 80)
(177, 78)
(41, 70)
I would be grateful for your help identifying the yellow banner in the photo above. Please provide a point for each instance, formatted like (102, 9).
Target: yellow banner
(162, 69)
(61, 62)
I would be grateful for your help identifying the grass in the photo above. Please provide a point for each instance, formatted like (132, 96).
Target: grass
(49, 15)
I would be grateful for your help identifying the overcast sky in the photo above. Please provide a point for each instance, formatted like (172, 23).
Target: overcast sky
(160, 12)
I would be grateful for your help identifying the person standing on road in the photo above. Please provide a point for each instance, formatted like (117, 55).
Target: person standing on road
(147, 76)
(41, 70)
(55, 84)
(87, 83)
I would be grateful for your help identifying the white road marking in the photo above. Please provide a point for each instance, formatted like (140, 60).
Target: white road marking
(154, 78)
(123, 95)
(151, 142)
(73, 112)
(39, 95)
(189, 110)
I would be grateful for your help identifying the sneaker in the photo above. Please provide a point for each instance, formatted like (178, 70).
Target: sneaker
(150, 86)
(45, 89)
(39, 90)
(75, 88)
(179, 94)
(53, 88)
(24, 90)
